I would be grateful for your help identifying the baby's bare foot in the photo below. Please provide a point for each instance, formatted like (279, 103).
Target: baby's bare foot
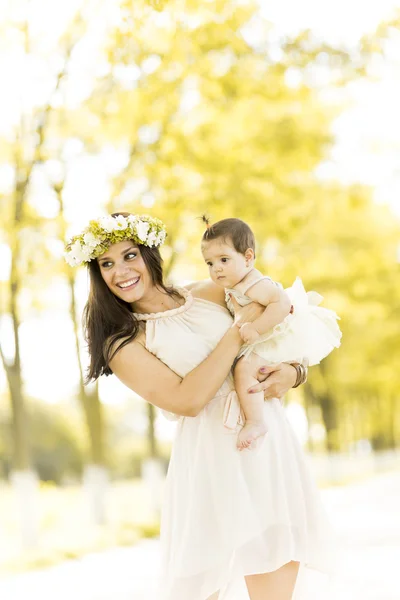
(251, 431)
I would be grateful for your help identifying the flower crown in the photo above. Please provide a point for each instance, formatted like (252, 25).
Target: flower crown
(101, 233)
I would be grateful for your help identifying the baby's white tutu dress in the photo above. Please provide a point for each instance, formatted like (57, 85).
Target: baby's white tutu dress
(305, 336)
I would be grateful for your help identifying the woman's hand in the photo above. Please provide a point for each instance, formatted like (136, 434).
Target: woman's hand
(275, 381)
(246, 314)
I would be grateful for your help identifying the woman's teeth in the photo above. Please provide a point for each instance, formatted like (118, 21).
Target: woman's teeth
(128, 283)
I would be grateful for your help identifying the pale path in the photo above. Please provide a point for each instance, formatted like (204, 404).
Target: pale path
(367, 516)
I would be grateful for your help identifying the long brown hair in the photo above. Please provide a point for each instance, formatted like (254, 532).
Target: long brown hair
(108, 319)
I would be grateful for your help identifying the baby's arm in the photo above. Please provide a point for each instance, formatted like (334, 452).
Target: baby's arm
(277, 307)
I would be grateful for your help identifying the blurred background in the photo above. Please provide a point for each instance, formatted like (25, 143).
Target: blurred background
(282, 114)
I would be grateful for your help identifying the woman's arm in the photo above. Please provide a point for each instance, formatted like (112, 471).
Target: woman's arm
(149, 377)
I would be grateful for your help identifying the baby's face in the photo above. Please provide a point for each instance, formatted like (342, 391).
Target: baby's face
(227, 267)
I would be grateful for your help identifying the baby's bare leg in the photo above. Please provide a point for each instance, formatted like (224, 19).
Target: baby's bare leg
(252, 404)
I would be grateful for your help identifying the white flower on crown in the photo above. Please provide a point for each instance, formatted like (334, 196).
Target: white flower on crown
(141, 229)
(107, 223)
(120, 223)
(151, 239)
(91, 240)
(71, 259)
(161, 238)
(78, 254)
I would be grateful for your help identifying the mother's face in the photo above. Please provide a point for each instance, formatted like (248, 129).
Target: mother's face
(124, 271)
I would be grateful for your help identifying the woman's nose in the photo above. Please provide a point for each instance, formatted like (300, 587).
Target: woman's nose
(122, 269)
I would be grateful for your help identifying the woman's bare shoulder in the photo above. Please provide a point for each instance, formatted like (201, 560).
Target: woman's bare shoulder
(207, 290)
(112, 346)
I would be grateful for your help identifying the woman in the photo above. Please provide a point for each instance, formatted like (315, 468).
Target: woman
(228, 515)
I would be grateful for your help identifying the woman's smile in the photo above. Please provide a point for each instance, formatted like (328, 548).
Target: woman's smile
(129, 283)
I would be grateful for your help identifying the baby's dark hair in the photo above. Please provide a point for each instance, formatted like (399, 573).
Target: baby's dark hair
(236, 230)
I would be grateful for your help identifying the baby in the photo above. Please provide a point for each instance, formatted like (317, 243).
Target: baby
(291, 329)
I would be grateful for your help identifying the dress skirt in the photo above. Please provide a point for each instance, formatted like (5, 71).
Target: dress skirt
(228, 514)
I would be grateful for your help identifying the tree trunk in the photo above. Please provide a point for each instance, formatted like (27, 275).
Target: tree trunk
(394, 420)
(329, 411)
(151, 434)
(329, 416)
(390, 408)
(21, 457)
(90, 401)
(95, 478)
(308, 402)
(21, 454)
(93, 410)
(24, 480)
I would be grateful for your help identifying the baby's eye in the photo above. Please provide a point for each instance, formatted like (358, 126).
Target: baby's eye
(224, 259)
(209, 264)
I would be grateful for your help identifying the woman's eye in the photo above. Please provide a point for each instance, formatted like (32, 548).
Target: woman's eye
(105, 265)
(131, 254)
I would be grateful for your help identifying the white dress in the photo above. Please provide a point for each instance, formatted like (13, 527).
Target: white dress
(227, 513)
(305, 336)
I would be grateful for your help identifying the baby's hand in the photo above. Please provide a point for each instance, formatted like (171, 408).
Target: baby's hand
(249, 333)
